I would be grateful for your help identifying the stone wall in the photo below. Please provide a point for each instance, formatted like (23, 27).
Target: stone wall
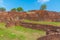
(50, 37)
(40, 26)
(13, 19)
(39, 15)
(43, 15)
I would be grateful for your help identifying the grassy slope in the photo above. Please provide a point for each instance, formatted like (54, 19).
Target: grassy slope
(43, 22)
(19, 33)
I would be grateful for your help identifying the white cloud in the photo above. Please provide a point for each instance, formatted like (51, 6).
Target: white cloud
(2, 3)
(43, 1)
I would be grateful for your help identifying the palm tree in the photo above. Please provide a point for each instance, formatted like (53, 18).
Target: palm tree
(19, 9)
(43, 7)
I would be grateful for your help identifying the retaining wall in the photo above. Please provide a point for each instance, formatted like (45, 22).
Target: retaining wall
(50, 37)
(40, 26)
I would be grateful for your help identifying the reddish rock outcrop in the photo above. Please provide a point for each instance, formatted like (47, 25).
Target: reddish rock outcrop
(50, 37)
(35, 15)
(13, 19)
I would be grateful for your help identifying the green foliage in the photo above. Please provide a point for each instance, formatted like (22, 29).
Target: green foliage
(13, 9)
(43, 7)
(11, 35)
(19, 9)
(2, 9)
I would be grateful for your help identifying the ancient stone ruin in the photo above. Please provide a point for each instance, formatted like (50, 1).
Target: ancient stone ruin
(36, 15)
(50, 37)
(14, 19)
(52, 32)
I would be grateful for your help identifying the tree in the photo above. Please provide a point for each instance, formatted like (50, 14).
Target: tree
(13, 9)
(19, 9)
(43, 7)
(2, 9)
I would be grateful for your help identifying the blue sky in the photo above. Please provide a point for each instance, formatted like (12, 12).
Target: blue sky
(52, 5)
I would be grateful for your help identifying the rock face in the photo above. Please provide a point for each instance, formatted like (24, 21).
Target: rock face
(14, 19)
(35, 15)
(47, 28)
(43, 15)
(52, 32)
(50, 37)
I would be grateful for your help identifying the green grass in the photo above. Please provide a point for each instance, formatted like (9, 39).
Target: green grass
(19, 33)
(43, 22)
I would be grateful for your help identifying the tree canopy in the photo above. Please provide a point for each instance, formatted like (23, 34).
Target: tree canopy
(2, 9)
(19, 9)
(13, 9)
(43, 7)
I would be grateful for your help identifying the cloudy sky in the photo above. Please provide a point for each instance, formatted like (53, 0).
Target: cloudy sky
(52, 5)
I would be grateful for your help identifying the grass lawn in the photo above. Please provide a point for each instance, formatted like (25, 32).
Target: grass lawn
(43, 22)
(19, 33)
